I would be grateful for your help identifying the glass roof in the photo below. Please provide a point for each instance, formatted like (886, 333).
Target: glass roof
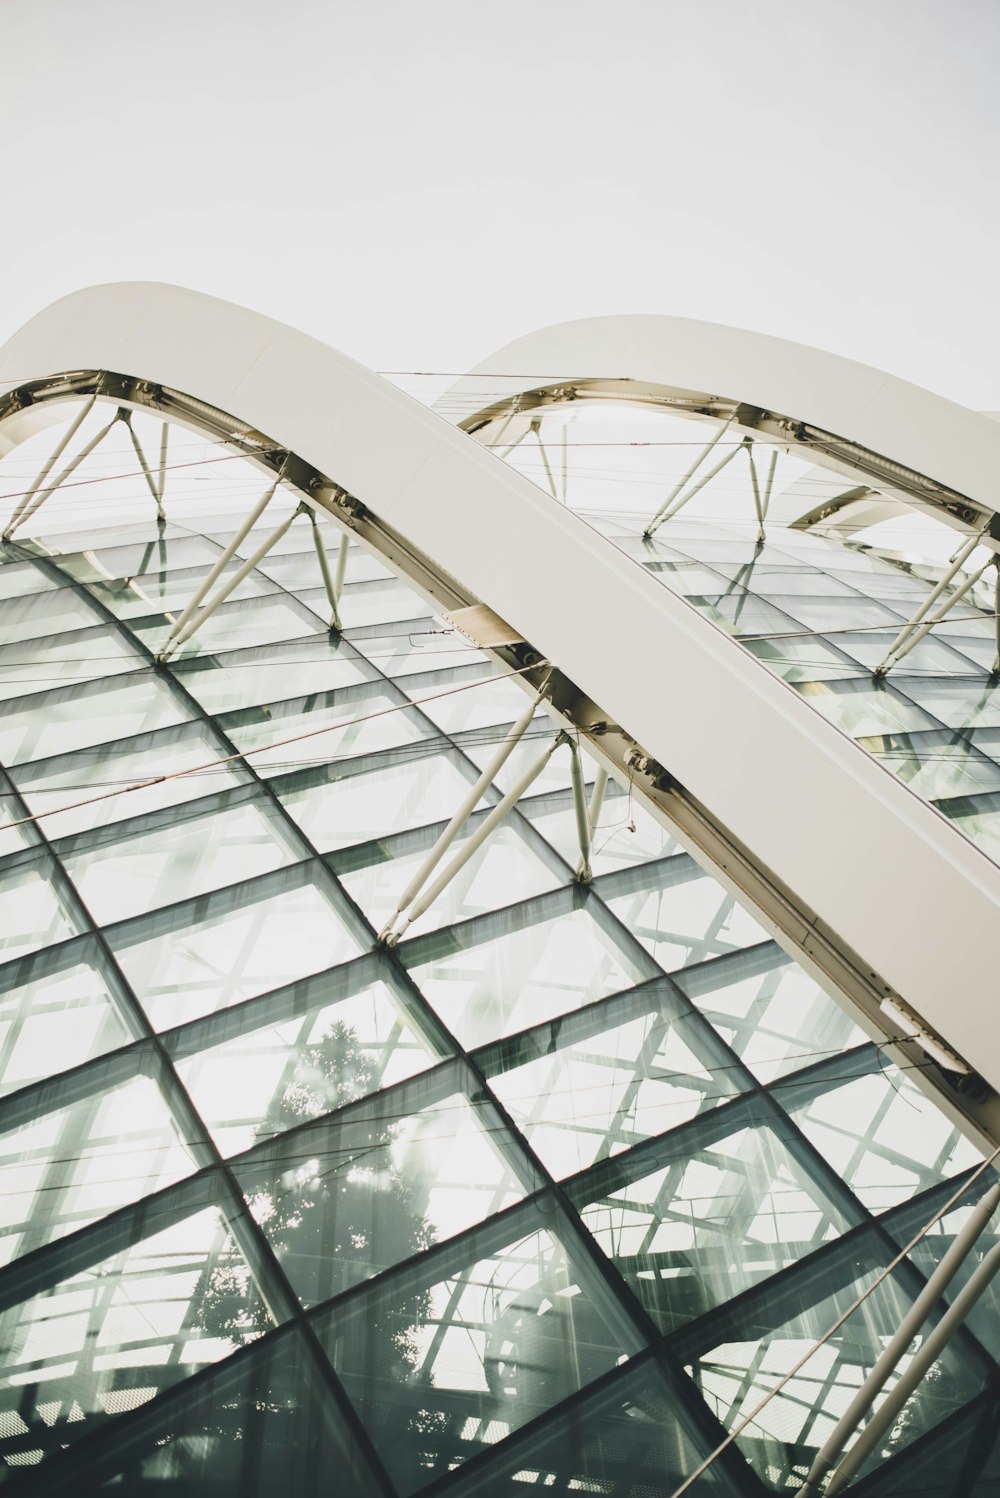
(548, 1196)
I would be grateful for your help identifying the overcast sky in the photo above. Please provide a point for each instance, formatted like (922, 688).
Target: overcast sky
(420, 181)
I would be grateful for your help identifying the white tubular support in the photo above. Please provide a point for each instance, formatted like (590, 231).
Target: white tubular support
(757, 503)
(475, 842)
(769, 484)
(996, 616)
(333, 585)
(661, 513)
(899, 651)
(923, 1359)
(74, 463)
(955, 566)
(597, 796)
(696, 489)
(536, 428)
(220, 566)
(914, 1319)
(161, 482)
(464, 811)
(150, 482)
(227, 587)
(50, 462)
(584, 873)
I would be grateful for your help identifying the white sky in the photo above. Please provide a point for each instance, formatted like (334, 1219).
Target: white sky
(420, 181)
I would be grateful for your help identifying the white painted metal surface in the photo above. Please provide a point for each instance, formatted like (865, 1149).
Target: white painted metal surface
(896, 881)
(947, 443)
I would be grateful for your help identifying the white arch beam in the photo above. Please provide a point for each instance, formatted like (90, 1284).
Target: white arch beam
(948, 444)
(816, 815)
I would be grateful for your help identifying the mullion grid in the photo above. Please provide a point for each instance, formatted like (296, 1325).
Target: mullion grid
(270, 1277)
(299, 837)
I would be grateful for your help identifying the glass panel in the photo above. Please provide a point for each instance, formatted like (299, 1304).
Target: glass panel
(35, 913)
(75, 656)
(776, 1019)
(253, 621)
(94, 772)
(269, 673)
(523, 974)
(686, 922)
(50, 1021)
(166, 863)
(110, 1338)
(607, 1092)
(442, 1368)
(368, 729)
(398, 792)
(882, 1136)
(80, 1162)
(242, 947)
(264, 1424)
(503, 870)
(693, 1233)
(629, 1441)
(44, 614)
(57, 722)
(341, 1202)
(782, 1441)
(158, 592)
(279, 1074)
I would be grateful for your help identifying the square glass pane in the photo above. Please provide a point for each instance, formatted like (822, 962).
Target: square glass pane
(35, 911)
(367, 728)
(777, 1020)
(691, 1234)
(523, 974)
(261, 1425)
(503, 870)
(681, 923)
(43, 614)
(158, 592)
(785, 1437)
(147, 870)
(414, 789)
(342, 1202)
(442, 1367)
(271, 673)
(50, 1021)
(601, 1095)
(80, 1162)
(95, 772)
(241, 948)
(251, 621)
(283, 1071)
(629, 1440)
(58, 722)
(111, 1337)
(882, 1136)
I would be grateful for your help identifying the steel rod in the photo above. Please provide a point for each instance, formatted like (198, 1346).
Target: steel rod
(583, 828)
(71, 467)
(475, 842)
(465, 809)
(686, 499)
(688, 475)
(923, 1359)
(894, 657)
(227, 587)
(223, 561)
(51, 461)
(914, 1319)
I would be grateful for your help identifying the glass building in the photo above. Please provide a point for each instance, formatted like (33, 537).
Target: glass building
(575, 1170)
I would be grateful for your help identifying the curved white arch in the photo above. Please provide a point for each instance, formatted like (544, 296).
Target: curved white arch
(948, 444)
(827, 830)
